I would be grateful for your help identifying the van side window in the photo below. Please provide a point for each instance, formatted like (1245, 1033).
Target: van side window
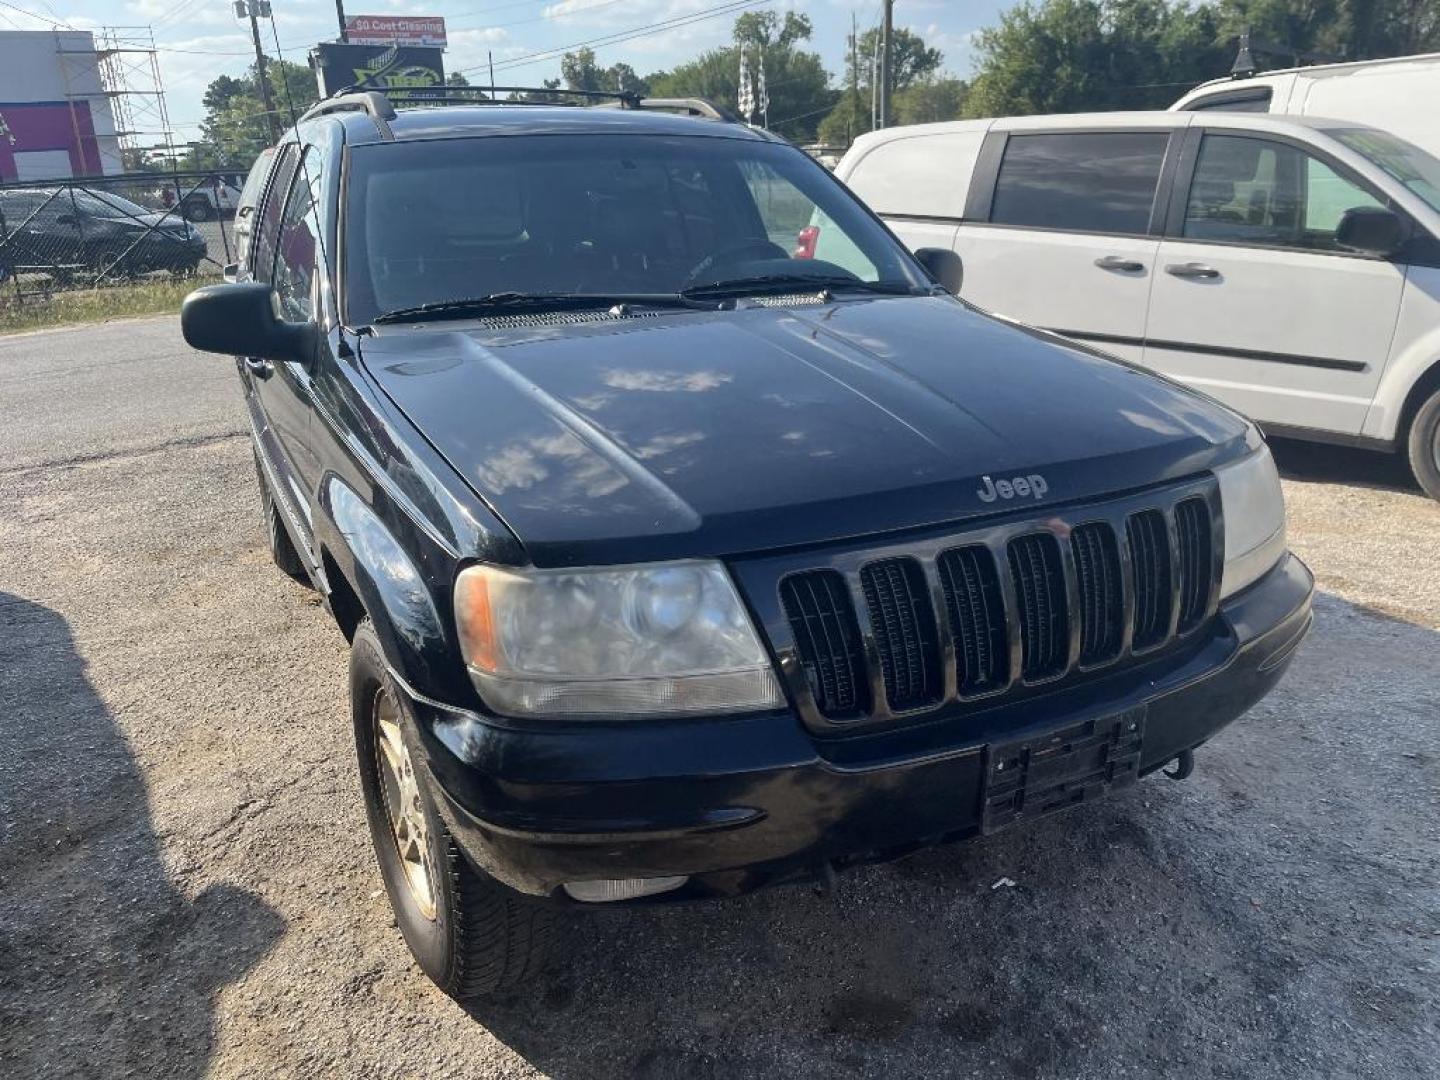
(1270, 194)
(1098, 182)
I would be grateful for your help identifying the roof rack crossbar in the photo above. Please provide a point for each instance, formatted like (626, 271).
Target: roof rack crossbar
(474, 94)
(371, 102)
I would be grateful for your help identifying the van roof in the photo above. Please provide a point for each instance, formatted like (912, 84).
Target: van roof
(1155, 120)
(1314, 71)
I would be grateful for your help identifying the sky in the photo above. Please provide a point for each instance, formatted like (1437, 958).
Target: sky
(200, 39)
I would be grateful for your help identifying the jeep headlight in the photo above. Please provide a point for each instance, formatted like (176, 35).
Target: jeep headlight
(666, 639)
(1254, 519)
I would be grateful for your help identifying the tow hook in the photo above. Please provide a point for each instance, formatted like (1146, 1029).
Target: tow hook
(1184, 765)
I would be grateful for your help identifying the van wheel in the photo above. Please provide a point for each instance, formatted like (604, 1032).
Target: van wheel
(471, 935)
(282, 548)
(197, 210)
(1425, 445)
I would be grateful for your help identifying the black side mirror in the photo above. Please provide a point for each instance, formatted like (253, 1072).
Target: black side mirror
(1370, 230)
(943, 266)
(239, 318)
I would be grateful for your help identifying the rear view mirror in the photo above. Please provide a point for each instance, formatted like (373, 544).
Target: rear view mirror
(239, 319)
(1370, 230)
(943, 266)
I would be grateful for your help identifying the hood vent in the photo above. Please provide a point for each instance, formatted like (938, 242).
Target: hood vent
(558, 318)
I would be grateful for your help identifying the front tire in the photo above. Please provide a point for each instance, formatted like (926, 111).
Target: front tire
(197, 210)
(470, 934)
(1425, 445)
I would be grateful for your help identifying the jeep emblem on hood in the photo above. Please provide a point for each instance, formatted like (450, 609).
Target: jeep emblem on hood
(1033, 485)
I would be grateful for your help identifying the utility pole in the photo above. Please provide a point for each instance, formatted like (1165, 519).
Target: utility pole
(254, 10)
(886, 76)
(854, 76)
(340, 16)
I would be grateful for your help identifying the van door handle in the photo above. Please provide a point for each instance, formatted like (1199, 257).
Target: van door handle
(1120, 264)
(1192, 270)
(261, 369)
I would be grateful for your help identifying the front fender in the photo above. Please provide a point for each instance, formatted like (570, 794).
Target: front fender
(1416, 350)
(398, 595)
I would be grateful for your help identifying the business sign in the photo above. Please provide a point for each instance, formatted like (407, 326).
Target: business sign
(377, 67)
(395, 30)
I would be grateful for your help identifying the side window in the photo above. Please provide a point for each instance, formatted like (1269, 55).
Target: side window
(267, 229)
(1270, 194)
(245, 205)
(1098, 182)
(297, 255)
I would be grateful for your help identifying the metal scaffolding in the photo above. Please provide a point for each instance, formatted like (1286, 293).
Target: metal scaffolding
(130, 84)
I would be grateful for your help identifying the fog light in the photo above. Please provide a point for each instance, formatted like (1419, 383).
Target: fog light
(604, 892)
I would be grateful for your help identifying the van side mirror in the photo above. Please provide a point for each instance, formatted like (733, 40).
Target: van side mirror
(1370, 230)
(943, 266)
(239, 319)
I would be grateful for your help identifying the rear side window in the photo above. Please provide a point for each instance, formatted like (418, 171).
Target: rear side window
(267, 229)
(1269, 194)
(1099, 182)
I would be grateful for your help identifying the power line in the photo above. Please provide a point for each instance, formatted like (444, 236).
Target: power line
(631, 34)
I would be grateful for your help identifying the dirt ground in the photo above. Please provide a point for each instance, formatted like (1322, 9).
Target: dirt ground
(186, 884)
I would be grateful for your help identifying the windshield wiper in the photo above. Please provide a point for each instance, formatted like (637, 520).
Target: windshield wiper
(519, 301)
(770, 283)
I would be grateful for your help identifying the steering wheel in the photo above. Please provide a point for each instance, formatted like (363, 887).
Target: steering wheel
(743, 250)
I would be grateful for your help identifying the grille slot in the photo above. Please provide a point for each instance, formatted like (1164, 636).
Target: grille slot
(822, 620)
(1150, 556)
(1039, 575)
(903, 625)
(1102, 605)
(1192, 529)
(976, 610)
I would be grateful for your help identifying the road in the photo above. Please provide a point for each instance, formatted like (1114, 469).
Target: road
(186, 885)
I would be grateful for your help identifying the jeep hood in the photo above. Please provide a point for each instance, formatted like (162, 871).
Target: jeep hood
(696, 433)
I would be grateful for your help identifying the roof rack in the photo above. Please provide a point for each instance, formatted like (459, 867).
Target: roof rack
(354, 99)
(476, 95)
(380, 105)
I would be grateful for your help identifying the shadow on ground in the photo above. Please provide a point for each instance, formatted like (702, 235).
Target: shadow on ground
(105, 966)
(1325, 464)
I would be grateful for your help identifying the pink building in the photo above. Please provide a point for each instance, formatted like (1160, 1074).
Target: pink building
(55, 116)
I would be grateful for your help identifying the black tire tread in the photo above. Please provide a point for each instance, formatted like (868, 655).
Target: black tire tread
(501, 940)
(1422, 443)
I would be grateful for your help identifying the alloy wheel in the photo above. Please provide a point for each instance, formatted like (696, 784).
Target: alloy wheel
(401, 793)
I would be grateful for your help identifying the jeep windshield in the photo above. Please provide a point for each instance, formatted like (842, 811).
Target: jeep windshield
(467, 226)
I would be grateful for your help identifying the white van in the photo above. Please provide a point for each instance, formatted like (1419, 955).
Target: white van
(1289, 267)
(1397, 95)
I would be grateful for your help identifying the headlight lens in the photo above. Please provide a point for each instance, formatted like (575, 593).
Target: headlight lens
(669, 639)
(1254, 519)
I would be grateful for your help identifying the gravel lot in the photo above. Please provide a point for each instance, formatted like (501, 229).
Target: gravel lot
(186, 885)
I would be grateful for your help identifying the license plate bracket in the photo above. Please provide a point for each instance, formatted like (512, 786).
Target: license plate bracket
(1041, 774)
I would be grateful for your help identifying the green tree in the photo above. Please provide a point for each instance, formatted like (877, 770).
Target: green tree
(581, 72)
(910, 58)
(1355, 29)
(234, 129)
(798, 83)
(930, 100)
(1079, 55)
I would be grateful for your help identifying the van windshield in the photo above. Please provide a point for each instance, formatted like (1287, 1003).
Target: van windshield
(1406, 162)
(442, 221)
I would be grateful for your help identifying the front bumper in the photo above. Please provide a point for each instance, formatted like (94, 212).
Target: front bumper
(737, 803)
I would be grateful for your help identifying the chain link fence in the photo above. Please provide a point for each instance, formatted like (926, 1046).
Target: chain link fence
(103, 231)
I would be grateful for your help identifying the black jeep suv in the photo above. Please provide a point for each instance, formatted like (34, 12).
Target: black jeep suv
(676, 561)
